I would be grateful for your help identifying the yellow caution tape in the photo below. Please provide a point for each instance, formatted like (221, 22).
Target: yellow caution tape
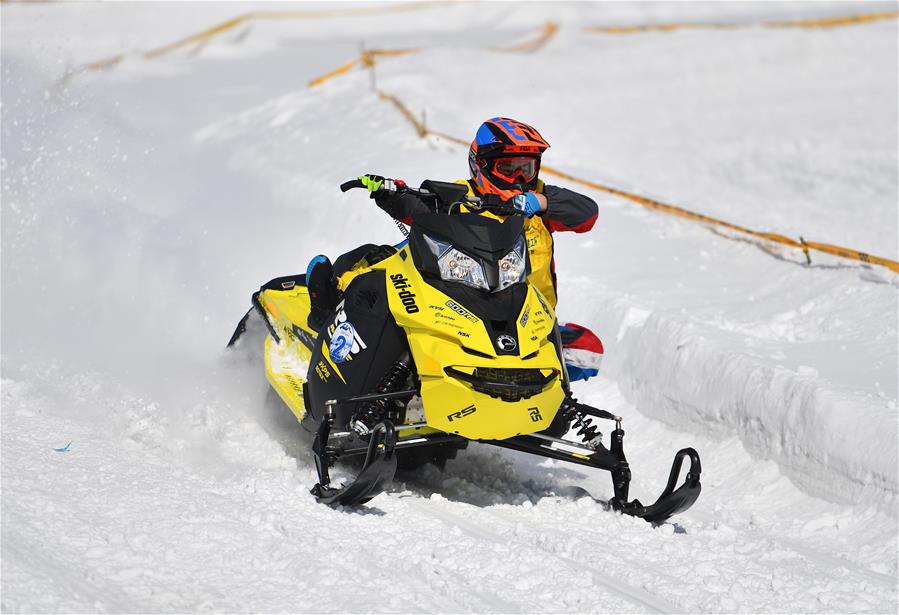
(666, 208)
(826, 22)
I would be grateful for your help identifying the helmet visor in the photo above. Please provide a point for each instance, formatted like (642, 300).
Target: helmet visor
(516, 169)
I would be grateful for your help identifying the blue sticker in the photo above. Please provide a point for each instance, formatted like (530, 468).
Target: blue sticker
(342, 342)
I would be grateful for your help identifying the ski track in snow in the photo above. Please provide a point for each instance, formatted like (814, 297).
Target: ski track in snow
(142, 206)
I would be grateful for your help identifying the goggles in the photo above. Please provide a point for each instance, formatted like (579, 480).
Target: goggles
(516, 169)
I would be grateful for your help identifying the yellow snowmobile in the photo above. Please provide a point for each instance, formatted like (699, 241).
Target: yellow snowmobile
(439, 341)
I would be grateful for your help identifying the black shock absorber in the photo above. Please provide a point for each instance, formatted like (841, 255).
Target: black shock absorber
(370, 413)
(586, 430)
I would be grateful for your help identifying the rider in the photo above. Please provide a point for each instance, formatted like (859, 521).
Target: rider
(504, 164)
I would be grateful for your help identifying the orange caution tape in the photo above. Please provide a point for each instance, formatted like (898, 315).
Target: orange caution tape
(666, 208)
(104, 64)
(217, 29)
(549, 30)
(337, 71)
(833, 22)
(368, 57)
(826, 22)
(376, 9)
(670, 27)
(418, 124)
(200, 36)
(673, 210)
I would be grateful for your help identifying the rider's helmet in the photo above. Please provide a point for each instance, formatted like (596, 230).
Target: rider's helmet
(504, 157)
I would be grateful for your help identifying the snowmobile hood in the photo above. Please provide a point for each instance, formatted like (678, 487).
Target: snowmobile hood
(472, 233)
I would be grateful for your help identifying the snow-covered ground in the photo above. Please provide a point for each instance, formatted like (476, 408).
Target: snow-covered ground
(142, 205)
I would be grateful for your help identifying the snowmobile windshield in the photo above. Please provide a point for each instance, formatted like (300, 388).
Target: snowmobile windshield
(471, 249)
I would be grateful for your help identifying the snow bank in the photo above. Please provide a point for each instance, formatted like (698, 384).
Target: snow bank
(836, 444)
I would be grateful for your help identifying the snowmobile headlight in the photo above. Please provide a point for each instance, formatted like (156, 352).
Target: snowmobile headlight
(457, 267)
(513, 266)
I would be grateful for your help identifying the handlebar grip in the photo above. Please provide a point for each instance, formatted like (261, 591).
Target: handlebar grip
(507, 210)
(353, 183)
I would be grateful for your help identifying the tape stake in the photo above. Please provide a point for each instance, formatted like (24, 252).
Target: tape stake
(808, 258)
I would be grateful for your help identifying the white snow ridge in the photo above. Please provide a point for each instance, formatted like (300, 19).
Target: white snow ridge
(142, 204)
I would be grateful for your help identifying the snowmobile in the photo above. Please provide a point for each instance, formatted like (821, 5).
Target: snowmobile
(438, 341)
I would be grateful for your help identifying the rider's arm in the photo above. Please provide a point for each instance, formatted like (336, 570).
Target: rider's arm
(400, 205)
(567, 210)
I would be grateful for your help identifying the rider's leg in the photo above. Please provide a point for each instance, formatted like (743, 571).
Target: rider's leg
(582, 351)
(322, 287)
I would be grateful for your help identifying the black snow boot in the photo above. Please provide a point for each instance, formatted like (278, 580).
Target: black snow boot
(322, 287)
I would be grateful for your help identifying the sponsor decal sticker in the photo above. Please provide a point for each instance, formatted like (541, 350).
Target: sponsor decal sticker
(461, 311)
(303, 336)
(542, 303)
(407, 297)
(345, 340)
(322, 371)
(525, 316)
(461, 413)
(342, 342)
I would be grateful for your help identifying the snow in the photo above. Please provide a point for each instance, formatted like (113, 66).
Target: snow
(142, 205)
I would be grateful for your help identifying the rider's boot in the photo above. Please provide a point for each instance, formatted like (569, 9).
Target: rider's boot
(322, 286)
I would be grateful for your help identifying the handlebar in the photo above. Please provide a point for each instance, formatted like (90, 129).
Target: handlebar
(474, 202)
(353, 183)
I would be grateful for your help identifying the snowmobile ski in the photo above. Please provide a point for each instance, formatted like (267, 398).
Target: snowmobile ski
(377, 470)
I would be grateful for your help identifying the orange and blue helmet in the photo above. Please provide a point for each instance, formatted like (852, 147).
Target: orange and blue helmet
(504, 158)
